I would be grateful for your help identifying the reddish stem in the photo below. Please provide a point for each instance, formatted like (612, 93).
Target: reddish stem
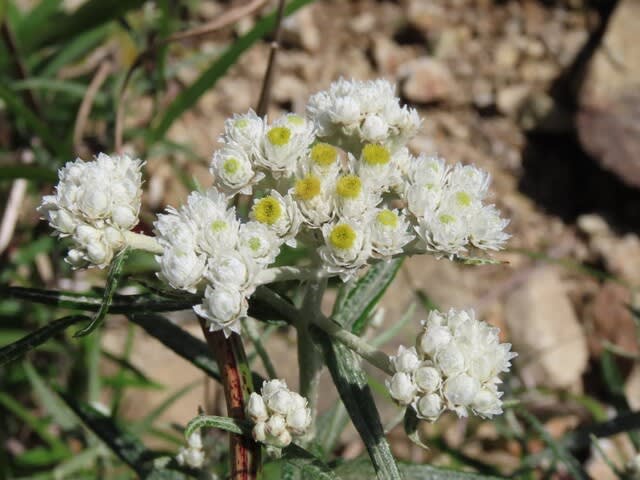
(229, 354)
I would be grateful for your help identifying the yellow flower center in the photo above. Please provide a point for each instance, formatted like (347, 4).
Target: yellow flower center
(349, 186)
(231, 166)
(463, 198)
(324, 154)
(296, 120)
(279, 136)
(254, 243)
(374, 154)
(445, 218)
(342, 237)
(267, 210)
(241, 123)
(218, 225)
(387, 218)
(308, 187)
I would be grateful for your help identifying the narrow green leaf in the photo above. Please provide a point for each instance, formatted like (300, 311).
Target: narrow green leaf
(79, 45)
(37, 18)
(49, 399)
(190, 95)
(34, 339)
(15, 104)
(115, 271)
(147, 422)
(361, 468)
(356, 302)
(88, 16)
(411, 423)
(300, 464)
(120, 303)
(228, 424)
(179, 341)
(76, 90)
(125, 445)
(29, 172)
(559, 451)
(351, 382)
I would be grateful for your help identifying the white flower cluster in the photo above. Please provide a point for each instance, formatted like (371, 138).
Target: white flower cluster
(278, 414)
(455, 365)
(192, 456)
(95, 202)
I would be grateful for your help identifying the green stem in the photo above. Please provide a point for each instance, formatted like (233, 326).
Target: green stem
(249, 327)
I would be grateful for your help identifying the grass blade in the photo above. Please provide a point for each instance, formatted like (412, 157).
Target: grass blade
(115, 271)
(189, 96)
(361, 468)
(29, 172)
(31, 341)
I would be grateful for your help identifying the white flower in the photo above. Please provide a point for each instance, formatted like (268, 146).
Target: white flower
(450, 359)
(259, 432)
(272, 386)
(444, 232)
(246, 131)
(280, 402)
(298, 420)
(406, 360)
(428, 407)
(175, 229)
(284, 146)
(426, 182)
(487, 403)
(259, 242)
(347, 247)
(389, 232)
(314, 197)
(278, 213)
(280, 441)
(374, 129)
(460, 391)
(223, 308)
(354, 198)
(232, 270)
(323, 160)
(190, 457)
(232, 170)
(256, 408)
(469, 179)
(434, 338)
(486, 229)
(182, 269)
(276, 425)
(427, 378)
(402, 388)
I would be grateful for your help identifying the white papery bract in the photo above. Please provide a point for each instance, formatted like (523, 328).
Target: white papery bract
(389, 232)
(223, 307)
(259, 242)
(347, 247)
(193, 455)
(278, 414)
(280, 214)
(232, 170)
(285, 144)
(101, 198)
(245, 131)
(455, 366)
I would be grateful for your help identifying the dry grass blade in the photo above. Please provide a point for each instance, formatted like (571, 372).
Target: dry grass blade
(268, 74)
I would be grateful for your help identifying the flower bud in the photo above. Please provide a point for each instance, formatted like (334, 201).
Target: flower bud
(256, 408)
(280, 402)
(401, 388)
(406, 360)
(434, 338)
(427, 379)
(195, 440)
(182, 269)
(124, 216)
(272, 386)
(299, 420)
(224, 304)
(374, 128)
(461, 390)
(450, 360)
(486, 403)
(94, 202)
(429, 406)
(275, 425)
(259, 432)
(297, 401)
(281, 440)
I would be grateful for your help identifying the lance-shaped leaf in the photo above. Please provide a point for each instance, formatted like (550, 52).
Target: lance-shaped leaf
(115, 271)
(351, 382)
(361, 468)
(17, 349)
(411, 423)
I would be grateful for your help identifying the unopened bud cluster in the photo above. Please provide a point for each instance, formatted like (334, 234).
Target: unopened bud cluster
(278, 414)
(455, 365)
(193, 455)
(94, 203)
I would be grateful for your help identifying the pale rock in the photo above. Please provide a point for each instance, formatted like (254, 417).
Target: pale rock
(506, 56)
(301, 29)
(621, 255)
(632, 388)
(426, 80)
(511, 99)
(544, 330)
(427, 16)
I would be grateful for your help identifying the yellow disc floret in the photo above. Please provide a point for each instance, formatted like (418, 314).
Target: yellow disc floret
(308, 187)
(387, 218)
(323, 154)
(268, 210)
(342, 236)
(254, 243)
(349, 186)
(463, 198)
(241, 123)
(374, 154)
(279, 136)
(218, 225)
(231, 166)
(445, 218)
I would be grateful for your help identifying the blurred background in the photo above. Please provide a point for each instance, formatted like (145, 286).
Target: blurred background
(545, 95)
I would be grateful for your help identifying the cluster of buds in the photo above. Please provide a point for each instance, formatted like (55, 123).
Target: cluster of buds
(278, 414)
(455, 365)
(193, 455)
(94, 204)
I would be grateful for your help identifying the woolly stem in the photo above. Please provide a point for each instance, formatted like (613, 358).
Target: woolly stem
(282, 274)
(138, 241)
(237, 383)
